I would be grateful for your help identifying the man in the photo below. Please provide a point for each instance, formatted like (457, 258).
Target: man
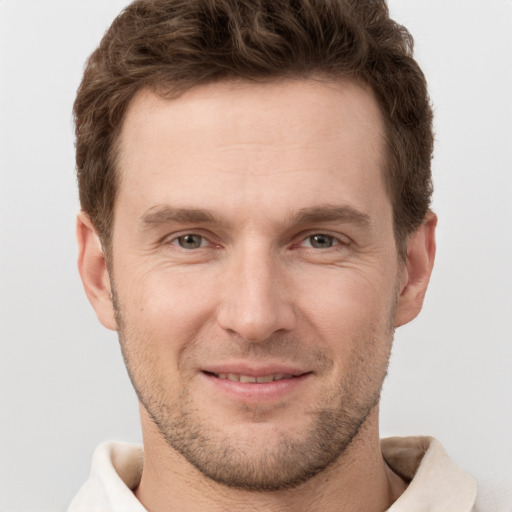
(255, 186)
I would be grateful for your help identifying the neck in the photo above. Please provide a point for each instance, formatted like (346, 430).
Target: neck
(358, 481)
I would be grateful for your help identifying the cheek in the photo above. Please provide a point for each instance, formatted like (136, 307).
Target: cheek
(158, 325)
(167, 309)
(348, 305)
(353, 319)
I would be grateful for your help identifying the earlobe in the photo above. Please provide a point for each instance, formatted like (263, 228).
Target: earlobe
(421, 250)
(93, 271)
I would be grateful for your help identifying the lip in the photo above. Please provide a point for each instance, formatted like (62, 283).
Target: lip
(256, 370)
(255, 392)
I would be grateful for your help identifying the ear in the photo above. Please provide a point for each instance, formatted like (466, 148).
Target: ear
(421, 251)
(93, 271)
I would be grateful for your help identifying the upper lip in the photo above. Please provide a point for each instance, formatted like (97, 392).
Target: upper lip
(255, 370)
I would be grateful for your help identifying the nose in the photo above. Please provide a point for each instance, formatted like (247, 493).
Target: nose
(256, 296)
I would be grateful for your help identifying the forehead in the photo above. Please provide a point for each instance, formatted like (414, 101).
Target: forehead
(237, 144)
(313, 108)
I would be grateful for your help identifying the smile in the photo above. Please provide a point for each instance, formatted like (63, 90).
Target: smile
(255, 386)
(251, 379)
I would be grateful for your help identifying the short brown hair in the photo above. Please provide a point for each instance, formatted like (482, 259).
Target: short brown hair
(170, 46)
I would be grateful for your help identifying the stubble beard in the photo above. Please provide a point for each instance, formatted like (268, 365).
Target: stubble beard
(282, 464)
(248, 464)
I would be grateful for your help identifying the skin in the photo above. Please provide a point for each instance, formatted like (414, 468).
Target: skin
(217, 264)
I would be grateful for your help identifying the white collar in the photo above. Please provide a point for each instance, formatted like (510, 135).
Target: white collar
(437, 484)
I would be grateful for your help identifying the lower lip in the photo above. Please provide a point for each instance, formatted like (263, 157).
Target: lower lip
(254, 392)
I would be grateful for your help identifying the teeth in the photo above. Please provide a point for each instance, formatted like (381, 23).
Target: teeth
(266, 378)
(247, 378)
(283, 376)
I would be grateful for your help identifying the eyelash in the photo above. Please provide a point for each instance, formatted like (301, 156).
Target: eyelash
(335, 240)
(176, 240)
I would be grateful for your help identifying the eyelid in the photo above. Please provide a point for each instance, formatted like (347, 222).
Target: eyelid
(209, 238)
(172, 239)
(339, 238)
(203, 241)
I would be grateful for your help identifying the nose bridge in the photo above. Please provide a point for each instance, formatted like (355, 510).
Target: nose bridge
(255, 298)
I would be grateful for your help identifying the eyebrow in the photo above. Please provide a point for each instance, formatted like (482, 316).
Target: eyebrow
(311, 215)
(166, 214)
(330, 213)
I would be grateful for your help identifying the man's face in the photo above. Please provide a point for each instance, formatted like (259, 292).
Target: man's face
(253, 241)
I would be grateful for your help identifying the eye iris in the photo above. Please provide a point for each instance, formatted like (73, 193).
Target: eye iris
(321, 241)
(190, 241)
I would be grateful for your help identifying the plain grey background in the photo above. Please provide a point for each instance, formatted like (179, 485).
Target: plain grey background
(63, 388)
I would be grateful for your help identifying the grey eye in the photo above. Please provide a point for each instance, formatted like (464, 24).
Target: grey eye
(321, 241)
(190, 241)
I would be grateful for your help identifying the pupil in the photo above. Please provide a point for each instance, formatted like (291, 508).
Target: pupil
(321, 241)
(190, 241)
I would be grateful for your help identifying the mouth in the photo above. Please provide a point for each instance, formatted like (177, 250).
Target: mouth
(255, 385)
(252, 379)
